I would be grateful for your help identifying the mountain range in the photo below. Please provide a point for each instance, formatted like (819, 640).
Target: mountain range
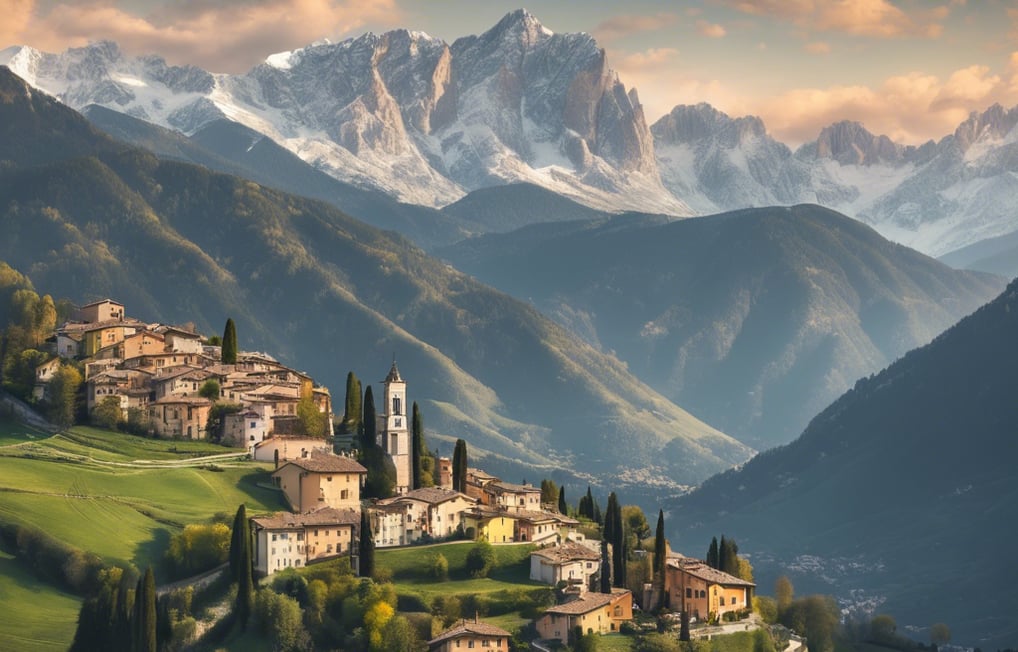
(899, 496)
(753, 320)
(428, 122)
(86, 216)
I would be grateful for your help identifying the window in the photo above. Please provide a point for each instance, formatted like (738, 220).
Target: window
(689, 593)
(254, 425)
(329, 478)
(470, 644)
(273, 537)
(396, 405)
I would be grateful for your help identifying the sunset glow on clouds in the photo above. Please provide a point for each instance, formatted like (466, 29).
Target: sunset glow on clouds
(912, 69)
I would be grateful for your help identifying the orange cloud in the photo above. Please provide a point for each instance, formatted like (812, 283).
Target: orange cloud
(622, 26)
(817, 47)
(222, 37)
(873, 18)
(17, 15)
(710, 30)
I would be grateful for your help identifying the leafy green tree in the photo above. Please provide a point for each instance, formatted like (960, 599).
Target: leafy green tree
(940, 634)
(63, 395)
(198, 548)
(563, 506)
(636, 521)
(279, 618)
(883, 629)
(229, 350)
(366, 546)
(312, 420)
(399, 635)
(438, 567)
(783, 594)
(459, 466)
(480, 560)
(210, 389)
(766, 607)
(107, 414)
(144, 619)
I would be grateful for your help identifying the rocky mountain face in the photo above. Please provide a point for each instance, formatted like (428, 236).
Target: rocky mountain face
(753, 320)
(907, 475)
(936, 198)
(403, 112)
(86, 216)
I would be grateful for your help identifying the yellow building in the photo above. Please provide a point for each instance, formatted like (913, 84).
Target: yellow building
(470, 636)
(490, 525)
(321, 480)
(594, 613)
(693, 586)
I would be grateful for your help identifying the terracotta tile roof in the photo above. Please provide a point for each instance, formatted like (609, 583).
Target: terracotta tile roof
(587, 603)
(318, 517)
(535, 516)
(183, 400)
(433, 495)
(327, 463)
(567, 552)
(467, 628)
(700, 570)
(508, 487)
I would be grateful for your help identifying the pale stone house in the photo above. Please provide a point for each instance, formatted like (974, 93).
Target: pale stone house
(593, 613)
(321, 480)
(289, 448)
(101, 310)
(430, 511)
(467, 635)
(180, 416)
(286, 540)
(572, 563)
(513, 497)
(544, 527)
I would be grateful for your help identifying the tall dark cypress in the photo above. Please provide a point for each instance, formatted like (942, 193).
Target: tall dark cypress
(238, 535)
(366, 547)
(144, 620)
(723, 550)
(417, 447)
(660, 548)
(229, 343)
(729, 555)
(615, 533)
(368, 423)
(352, 405)
(563, 506)
(245, 581)
(459, 466)
(121, 634)
(712, 553)
(606, 568)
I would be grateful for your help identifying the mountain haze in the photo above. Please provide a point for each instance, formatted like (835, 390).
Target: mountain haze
(901, 491)
(753, 320)
(94, 217)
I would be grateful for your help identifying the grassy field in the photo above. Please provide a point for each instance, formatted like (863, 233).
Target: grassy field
(35, 616)
(117, 495)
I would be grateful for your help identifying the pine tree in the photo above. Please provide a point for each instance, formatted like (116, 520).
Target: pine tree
(712, 553)
(417, 447)
(144, 619)
(459, 466)
(229, 355)
(563, 506)
(352, 407)
(366, 542)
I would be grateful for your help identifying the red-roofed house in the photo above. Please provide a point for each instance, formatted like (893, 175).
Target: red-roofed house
(467, 635)
(691, 585)
(594, 613)
(321, 480)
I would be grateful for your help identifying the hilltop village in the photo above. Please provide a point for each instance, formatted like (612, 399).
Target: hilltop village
(173, 382)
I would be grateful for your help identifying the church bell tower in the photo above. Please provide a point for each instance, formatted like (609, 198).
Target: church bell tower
(394, 428)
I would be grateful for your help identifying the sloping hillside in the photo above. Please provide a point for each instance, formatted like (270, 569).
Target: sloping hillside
(901, 492)
(175, 241)
(753, 320)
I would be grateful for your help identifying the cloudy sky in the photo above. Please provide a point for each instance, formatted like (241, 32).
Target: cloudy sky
(911, 69)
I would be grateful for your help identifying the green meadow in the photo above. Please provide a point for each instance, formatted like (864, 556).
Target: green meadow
(117, 495)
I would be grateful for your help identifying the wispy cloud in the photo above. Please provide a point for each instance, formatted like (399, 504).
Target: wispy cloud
(710, 30)
(872, 18)
(219, 36)
(621, 26)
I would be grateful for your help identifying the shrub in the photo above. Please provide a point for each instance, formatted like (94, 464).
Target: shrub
(480, 560)
(438, 567)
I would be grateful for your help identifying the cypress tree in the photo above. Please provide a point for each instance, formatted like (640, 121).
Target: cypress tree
(459, 466)
(368, 423)
(615, 533)
(417, 447)
(723, 550)
(229, 355)
(712, 553)
(143, 624)
(606, 567)
(366, 541)
(121, 623)
(563, 507)
(729, 555)
(352, 406)
(660, 548)
(245, 581)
